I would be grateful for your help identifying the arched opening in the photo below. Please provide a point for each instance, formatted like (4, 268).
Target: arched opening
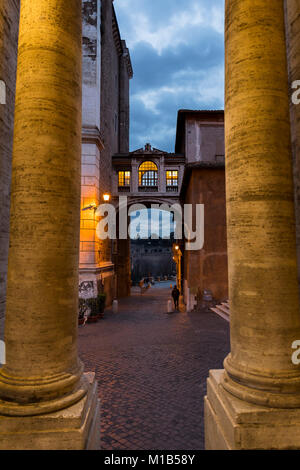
(147, 252)
(151, 234)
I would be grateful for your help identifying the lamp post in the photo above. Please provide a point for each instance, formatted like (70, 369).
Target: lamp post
(106, 197)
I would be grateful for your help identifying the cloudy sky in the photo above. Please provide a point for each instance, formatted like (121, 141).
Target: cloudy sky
(177, 54)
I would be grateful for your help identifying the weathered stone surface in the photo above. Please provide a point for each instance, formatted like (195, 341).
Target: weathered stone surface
(233, 424)
(74, 428)
(293, 45)
(263, 286)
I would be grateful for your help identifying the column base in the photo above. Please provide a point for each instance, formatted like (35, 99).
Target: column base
(74, 428)
(232, 424)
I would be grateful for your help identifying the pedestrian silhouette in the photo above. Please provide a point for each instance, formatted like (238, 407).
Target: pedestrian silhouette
(175, 295)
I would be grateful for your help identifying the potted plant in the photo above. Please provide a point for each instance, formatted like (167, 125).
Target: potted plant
(93, 306)
(101, 304)
(82, 308)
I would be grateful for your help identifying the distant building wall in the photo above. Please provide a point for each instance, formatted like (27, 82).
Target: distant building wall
(116, 73)
(123, 268)
(9, 22)
(152, 258)
(204, 141)
(109, 94)
(201, 133)
(124, 101)
(207, 268)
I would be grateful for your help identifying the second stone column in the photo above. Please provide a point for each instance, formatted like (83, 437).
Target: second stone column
(44, 395)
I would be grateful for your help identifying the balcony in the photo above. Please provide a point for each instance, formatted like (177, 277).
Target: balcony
(172, 189)
(124, 189)
(148, 189)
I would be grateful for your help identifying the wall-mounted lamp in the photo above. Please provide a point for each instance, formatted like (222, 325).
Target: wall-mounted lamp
(106, 197)
(91, 206)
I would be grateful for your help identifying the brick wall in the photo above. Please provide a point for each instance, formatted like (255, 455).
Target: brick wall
(207, 268)
(9, 20)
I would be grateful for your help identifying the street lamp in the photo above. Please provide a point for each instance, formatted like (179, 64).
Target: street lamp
(106, 197)
(177, 258)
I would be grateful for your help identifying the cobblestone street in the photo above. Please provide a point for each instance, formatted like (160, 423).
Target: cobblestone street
(152, 369)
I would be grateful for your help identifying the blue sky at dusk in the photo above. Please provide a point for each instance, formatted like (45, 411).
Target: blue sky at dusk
(177, 53)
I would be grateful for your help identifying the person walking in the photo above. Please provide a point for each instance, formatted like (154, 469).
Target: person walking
(175, 295)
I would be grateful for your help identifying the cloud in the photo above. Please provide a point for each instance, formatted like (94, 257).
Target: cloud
(178, 60)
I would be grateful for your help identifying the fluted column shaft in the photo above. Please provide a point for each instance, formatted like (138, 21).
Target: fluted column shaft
(42, 295)
(265, 317)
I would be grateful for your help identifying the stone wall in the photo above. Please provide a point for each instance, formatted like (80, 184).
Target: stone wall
(91, 139)
(9, 21)
(105, 98)
(91, 63)
(124, 102)
(109, 95)
(204, 141)
(115, 76)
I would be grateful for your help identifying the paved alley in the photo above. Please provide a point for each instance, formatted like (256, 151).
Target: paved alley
(152, 369)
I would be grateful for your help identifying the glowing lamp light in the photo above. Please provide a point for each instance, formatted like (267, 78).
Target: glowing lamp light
(106, 197)
(177, 247)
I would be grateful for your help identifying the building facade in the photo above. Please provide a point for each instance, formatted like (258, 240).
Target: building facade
(106, 73)
(200, 134)
(145, 176)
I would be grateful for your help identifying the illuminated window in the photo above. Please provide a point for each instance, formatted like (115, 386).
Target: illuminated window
(172, 178)
(124, 178)
(148, 174)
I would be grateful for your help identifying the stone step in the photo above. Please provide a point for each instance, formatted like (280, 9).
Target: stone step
(222, 310)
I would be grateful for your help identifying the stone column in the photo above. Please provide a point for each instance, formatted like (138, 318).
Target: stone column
(42, 385)
(9, 22)
(259, 374)
(293, 40)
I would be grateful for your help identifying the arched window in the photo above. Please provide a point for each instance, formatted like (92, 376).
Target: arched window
(148, 174)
